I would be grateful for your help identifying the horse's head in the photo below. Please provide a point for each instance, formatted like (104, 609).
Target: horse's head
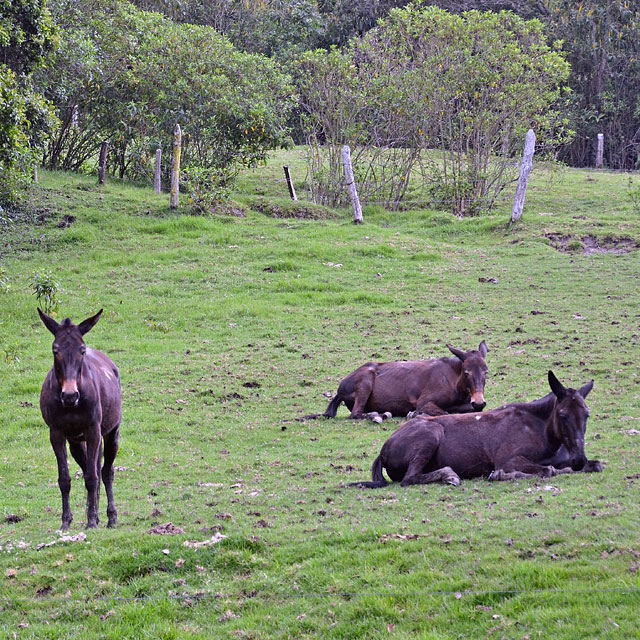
(474, 373)
(68, 354)
(569, 419)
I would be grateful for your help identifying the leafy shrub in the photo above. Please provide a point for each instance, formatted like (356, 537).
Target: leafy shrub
(207, 189)
(233, 107)
(45, 287)
(423, 80)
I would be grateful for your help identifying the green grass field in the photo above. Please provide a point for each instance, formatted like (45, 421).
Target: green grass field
(227, 328)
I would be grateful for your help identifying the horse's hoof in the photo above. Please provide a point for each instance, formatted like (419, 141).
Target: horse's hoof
(377, 419)
(455, 481)
(92, 525)
(387, 415)
(593, 466)
(112, 523)
(65, 526)
(412, 414)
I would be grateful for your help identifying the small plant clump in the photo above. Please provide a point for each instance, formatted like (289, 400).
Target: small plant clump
(45, 287)
(634, 195)
(4, 282)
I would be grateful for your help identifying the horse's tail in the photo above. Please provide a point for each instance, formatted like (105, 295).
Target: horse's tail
(330, 411)
(332, 407)
(377, 479)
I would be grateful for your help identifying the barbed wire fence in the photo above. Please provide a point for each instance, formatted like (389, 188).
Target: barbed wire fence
(293, 595)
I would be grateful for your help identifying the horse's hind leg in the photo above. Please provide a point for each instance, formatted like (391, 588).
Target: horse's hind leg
(359, 391)
(110, 452)
(79, 454)
(430, 439)
(446, 475)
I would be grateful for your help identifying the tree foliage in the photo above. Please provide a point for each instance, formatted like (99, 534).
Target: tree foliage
(27, 37)
(602, 41)
(128, 76)
(469, 86)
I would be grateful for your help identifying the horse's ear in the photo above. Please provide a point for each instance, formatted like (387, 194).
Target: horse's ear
(50, 323)
(86, 325)
(456, 352)
(556, 386)
(584, 391)
(483, 349)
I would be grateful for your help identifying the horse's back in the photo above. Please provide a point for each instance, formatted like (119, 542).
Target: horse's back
(400, 384)
(106, 377)
(473, 443)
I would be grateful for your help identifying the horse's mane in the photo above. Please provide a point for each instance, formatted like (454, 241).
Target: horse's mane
(541, 407)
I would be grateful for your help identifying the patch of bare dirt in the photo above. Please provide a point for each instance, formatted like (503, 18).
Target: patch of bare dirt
(567, 243)
(166, 529)
(297, 209)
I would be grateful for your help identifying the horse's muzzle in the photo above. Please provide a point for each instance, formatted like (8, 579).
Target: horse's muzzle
(70, 399)
(479, 406)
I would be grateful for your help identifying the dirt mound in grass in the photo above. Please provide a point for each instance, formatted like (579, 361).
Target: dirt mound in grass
(300, 210)
(568, 243)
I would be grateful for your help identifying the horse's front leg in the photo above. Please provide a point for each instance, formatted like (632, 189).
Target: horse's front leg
(591, 466)
(520, 467)
(428, 407)
(59, 445)
(91, 477)
(462, 408)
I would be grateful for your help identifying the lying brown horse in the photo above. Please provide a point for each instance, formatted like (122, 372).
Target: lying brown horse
(519, 440)
(81, 402)
(432, 387)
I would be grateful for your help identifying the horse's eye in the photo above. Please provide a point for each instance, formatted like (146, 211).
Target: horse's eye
(83, 351)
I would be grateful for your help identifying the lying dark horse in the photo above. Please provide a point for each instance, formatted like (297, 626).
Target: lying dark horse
(433, 387)
(81, 403)
(519, 440)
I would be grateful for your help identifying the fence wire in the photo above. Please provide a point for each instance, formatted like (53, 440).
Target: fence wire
(292, 595)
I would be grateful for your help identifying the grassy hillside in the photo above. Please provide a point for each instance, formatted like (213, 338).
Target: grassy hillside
(227, 328)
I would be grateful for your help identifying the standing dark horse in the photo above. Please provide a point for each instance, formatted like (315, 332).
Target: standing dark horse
(432, 387)
(519, 440)
(82, 404)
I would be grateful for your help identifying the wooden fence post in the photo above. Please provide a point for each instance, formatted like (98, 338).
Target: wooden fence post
(525, 170)
(157, 176)
(292, 189)
(351, 185)
(600, 151)
(35, 173)
(175, 172)
(102, 162)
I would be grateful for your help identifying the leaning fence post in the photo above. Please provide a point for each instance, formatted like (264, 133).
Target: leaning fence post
(175, 172)
(292, 189)
(525, 170)
(102, 162)
(157, 178)
(351, 185)
(35, 173)
(600, 151)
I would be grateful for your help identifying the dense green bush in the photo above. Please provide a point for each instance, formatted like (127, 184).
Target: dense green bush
(129, 76)
(468, 86)
(27, 37)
